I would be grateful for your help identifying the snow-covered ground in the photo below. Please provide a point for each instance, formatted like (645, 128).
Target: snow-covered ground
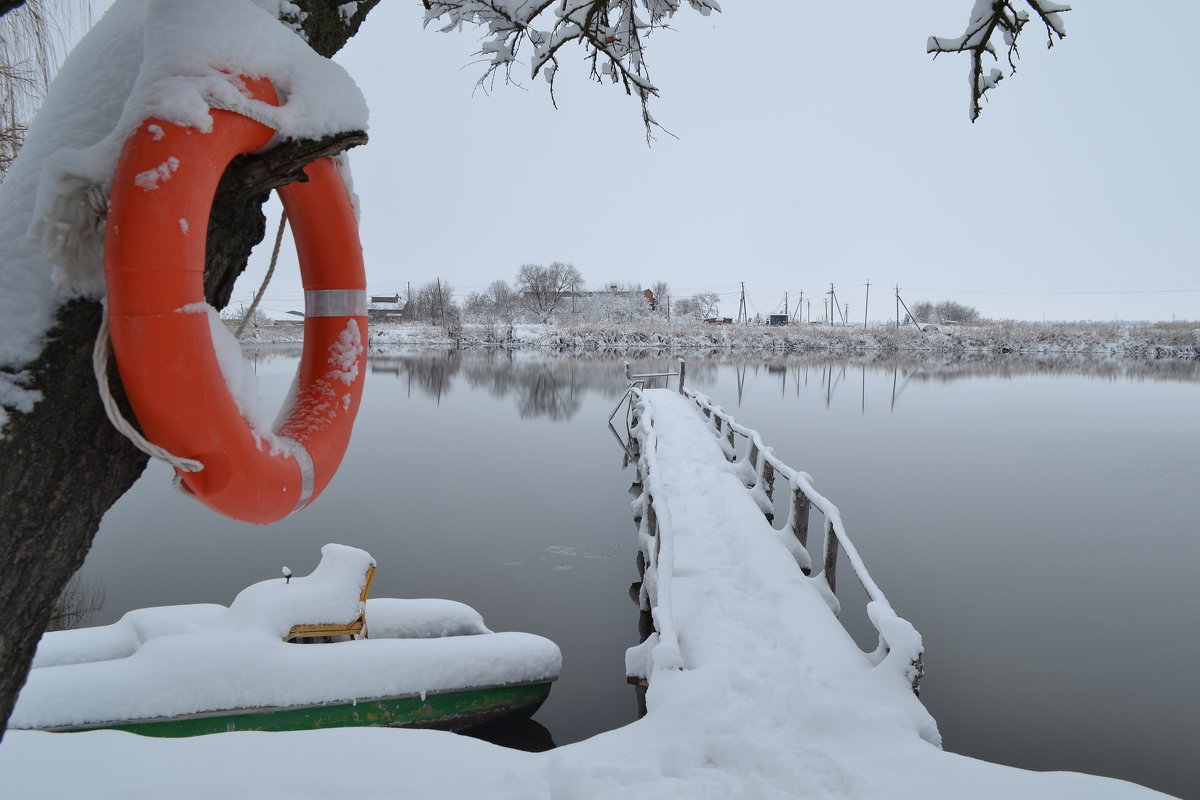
(774, 700)
(1128, 340)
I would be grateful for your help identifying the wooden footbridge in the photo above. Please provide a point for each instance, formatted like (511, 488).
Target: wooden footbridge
(705, 477)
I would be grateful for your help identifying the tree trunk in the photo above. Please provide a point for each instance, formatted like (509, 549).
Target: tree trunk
(62, 466)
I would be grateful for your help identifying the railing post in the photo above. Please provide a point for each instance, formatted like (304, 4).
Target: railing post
(800, 507)
(831, 554)
(754, 460)
(682, 368)
(768, 476)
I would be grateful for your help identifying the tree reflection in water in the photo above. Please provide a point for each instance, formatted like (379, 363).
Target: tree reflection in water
(552, 384)
(78, 603)
(543, 385)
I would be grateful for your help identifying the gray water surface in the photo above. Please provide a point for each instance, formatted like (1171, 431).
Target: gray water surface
(1036, 520)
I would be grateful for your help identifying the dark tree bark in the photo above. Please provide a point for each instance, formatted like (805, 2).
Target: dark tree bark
(8, 5)
(62, 466)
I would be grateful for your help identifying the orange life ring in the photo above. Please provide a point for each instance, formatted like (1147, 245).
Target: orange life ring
(159, 207)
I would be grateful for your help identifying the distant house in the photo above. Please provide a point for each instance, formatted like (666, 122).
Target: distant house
(778, 319)
(386, 308)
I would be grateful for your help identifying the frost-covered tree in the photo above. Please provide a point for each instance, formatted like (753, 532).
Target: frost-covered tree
(500, 304)
(543, 288)
(707, 304)
(619, 303)
(950, 311)
(698, 306)
(434, 303)
(924, 311)
(945, 311)
(660, 292)
(504, 300)
(243, 316)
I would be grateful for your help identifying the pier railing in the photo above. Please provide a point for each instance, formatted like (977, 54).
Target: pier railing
(657, 546)
(762, 472)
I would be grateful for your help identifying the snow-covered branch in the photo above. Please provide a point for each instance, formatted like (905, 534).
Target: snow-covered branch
(612, 32)
(989, 18)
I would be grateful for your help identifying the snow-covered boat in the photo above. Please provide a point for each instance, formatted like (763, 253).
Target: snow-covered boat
(195, 669)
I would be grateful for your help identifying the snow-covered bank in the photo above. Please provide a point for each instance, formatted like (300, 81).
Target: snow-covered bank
(1148, 340)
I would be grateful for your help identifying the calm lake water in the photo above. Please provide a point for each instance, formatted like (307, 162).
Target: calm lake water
(1037, 520)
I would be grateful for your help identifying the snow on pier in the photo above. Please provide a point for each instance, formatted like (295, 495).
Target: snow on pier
(754, 687)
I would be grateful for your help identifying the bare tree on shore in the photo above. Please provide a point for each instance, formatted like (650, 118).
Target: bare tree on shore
(543, 288)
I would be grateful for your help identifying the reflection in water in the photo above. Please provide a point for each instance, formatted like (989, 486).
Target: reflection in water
(79, 601)
(265, 354)
(551, 384)
(526, 734)
(795, 373)
(552, 388)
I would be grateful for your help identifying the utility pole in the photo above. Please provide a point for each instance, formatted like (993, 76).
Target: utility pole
(867, 304)
(897, 306)
(916, 322)
(785, 305)
(742, 305)
(825, 313)
(810, 312)
(833, 306)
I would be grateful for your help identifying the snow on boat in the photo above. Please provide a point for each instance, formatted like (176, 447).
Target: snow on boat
(204, 668)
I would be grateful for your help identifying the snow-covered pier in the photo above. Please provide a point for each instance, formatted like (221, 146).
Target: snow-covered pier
(706, 502)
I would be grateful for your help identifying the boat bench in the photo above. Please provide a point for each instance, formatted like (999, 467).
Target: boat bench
(357, 628)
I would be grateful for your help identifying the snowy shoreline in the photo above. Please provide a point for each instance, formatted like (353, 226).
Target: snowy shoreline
(1121, 340)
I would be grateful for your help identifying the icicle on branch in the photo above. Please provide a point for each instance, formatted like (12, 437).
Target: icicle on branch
(989, 18)
(613, 33)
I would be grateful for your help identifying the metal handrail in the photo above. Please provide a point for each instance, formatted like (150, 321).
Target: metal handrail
(627, 396)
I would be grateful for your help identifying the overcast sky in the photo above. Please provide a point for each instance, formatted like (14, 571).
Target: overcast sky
(817, 143)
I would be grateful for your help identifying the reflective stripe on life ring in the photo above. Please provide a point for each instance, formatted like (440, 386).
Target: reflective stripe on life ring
(154, 255)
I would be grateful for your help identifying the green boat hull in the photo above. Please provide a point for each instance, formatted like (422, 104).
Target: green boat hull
(452, 710)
